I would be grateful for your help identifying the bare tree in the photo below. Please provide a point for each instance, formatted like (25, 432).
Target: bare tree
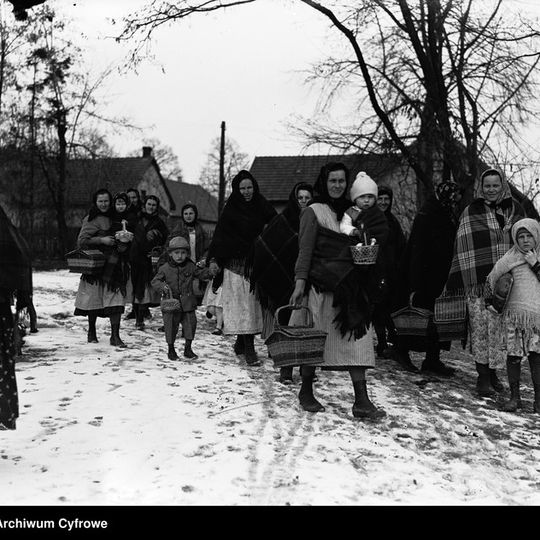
(167, 160)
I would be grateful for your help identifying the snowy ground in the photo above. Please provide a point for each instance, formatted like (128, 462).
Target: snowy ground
(106, 426)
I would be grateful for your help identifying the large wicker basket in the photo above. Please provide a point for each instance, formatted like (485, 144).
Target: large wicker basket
(296, 345)
(364, 255)
(86, 261)
(413, 321)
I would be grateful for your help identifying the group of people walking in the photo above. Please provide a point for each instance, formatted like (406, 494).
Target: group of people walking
(259, 260)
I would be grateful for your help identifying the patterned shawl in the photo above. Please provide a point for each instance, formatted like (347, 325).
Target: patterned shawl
(523, 307)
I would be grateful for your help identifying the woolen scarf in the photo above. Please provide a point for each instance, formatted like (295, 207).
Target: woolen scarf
(321, 190)
(523, 308)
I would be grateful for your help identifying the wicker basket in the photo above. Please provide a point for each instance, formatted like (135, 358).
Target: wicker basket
(168, 304)
(86, 261)
(296, 345)
(364, 255)
(124, 236)
(413, 321)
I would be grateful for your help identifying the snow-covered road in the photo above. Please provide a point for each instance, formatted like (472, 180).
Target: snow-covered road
(106, 426)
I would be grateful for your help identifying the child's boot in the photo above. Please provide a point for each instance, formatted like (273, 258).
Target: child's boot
(534, 363)
(483, 383)
(92, 334)
(513, 368)
(171, 355)
(188, 353)
(496, 384)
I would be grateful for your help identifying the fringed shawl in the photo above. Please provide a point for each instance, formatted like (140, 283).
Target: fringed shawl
(523, 307)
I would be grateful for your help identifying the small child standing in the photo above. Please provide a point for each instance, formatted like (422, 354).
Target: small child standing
(365, 219)
(176, 276)
(521, 315)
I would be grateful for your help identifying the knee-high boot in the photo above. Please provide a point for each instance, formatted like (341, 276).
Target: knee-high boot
(513, 368)
(534, 363)
(305, 396)
(239, 345)
(363, 407)
(115, 332)
(92, 335)
(249, 350)
(483, 383)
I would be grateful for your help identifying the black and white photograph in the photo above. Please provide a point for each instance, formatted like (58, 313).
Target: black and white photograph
(268, 253)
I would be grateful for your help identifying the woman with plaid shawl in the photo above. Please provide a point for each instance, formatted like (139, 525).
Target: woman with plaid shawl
(483, 237)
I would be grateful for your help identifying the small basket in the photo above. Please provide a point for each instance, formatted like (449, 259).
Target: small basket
(168, 304)
(296, 345)
(364, 255)
(86, 261)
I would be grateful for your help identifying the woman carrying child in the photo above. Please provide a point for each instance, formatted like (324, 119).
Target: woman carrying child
(521, 315)
(176, 276)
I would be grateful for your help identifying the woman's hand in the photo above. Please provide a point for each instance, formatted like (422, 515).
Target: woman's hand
(298, 293)
(531, 257)
(108, 241)
(201, 263)
(214, 268)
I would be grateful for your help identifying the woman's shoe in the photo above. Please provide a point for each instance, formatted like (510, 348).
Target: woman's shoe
(92, 337)
(115, 341)
(217, 332)
(238, 346)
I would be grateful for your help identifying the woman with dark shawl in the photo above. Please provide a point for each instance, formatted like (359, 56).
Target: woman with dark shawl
(15, 278)
(391, 254)
(243, 218)
(273, 258)
(339, 300)
(104, 295)
(150, 232)
(483, 237)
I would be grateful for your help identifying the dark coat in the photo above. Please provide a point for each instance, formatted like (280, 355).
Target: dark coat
(179, 278)
(426, 262)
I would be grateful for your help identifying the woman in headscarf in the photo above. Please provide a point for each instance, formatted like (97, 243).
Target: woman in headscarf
(15, 279)
(104, 295)
(423, 272)
(483, 237)
(150, 232)
(190, 229)
(521, 314)
(273, 258)
(243, 218)
(338, 299)
(390, 257)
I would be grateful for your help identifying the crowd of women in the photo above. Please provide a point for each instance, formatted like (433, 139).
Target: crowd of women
(258, 261)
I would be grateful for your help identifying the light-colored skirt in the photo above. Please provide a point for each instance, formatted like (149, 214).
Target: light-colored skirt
(151, 296)
(339, 351)
(241, 311)
(95, 296)
(210, 298)
(485, 334)
(517, 344)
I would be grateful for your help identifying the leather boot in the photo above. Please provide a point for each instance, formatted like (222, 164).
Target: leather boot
(239, 345)
(495, 382)
(285, 375)
(483, 383)
(139, 316)
(188, 353)
(249, 351)
(92, 334)
(433, 364)
(115, 336)
(513, 368)
(306, 397)
(534, 363)
(362, 407)
(171, 354)
(404, 360)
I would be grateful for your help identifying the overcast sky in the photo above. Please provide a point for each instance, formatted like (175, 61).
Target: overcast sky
(242, 65)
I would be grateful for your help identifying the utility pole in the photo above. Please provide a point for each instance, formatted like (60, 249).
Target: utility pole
(221, 197)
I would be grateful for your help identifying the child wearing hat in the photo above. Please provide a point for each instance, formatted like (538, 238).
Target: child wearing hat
(177, 275)
(365, 219)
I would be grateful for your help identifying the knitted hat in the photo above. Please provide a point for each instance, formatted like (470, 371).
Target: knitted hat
(363, 185)
(178, 242)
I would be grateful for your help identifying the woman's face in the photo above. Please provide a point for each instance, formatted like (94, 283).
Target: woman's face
(189, 215)
(133, 198)
(303, 197)
(336, 183)
(525, 240)
(383, 202)
(120, 205)
(103, 202)
(150, 206)
(246, 189)
(492, 186)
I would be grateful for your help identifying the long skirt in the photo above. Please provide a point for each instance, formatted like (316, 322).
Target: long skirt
(96, 299)
(9, 401)
(150, 298)
(485, 334)
(241, 311)
(339, 352)
(211, 298)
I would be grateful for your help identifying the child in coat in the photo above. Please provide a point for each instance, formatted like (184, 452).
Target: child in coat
(177, 276)
(521, 315)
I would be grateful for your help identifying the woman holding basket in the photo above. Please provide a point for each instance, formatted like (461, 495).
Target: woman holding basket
(338, 301)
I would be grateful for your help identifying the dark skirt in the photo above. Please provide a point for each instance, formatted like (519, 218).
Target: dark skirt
(9, 401)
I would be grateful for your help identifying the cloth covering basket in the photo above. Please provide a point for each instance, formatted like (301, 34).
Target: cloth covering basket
(364, 255)
(86, 261)
(413, 321)
(168, 304)
(450, 317)
(296, 345)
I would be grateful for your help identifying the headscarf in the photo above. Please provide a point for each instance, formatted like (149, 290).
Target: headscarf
(445, 192)
(386, 190)
(184, 230)
(185, 207)
(530, 225)
(321, 189)
(95, 211)
(504, 194)
(240, 223)
(292, 211)
(137, 206)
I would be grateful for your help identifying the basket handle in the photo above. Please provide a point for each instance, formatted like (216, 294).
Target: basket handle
(291, 306)
(411, 299)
